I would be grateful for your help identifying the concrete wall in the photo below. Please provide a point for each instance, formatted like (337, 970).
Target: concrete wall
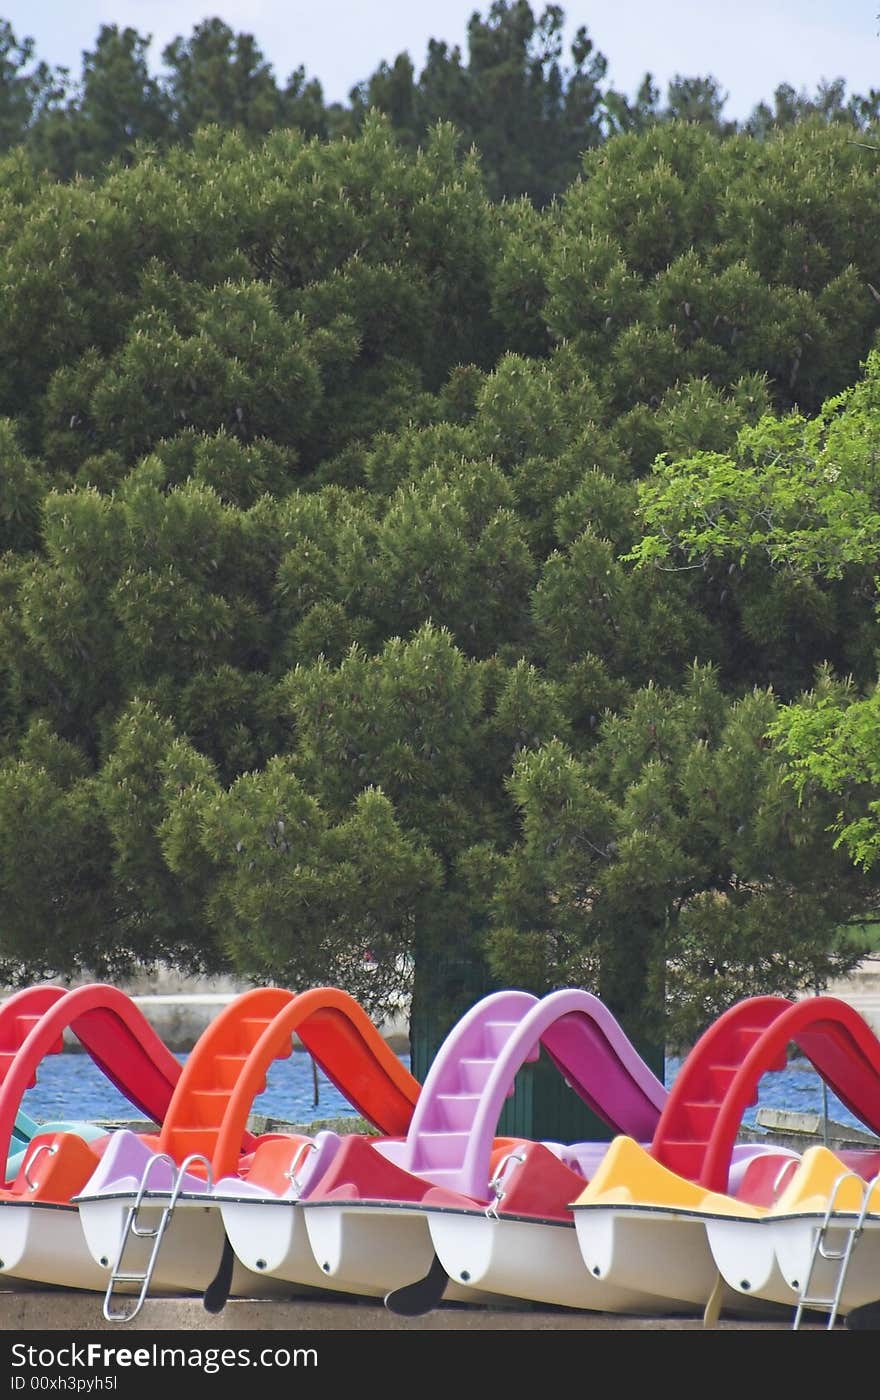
(862, 990)
(179, 1009)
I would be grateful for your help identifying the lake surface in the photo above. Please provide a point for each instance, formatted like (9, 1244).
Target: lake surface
(70, 1085)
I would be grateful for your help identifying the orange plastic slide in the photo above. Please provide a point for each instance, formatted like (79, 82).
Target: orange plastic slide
(227, 1070)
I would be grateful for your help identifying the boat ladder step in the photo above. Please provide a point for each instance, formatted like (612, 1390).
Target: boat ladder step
(134, 1228)
(852, 1228)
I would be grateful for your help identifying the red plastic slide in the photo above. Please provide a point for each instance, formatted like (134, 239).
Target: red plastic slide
(109, 1026)
(720, 1077)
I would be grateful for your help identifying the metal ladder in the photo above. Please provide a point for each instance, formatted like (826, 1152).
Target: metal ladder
(843, 1255)
(154, 1232)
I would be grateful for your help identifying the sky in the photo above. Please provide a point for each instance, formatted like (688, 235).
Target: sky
(750, 47)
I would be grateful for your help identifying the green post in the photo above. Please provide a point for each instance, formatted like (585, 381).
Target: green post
(542, 1107)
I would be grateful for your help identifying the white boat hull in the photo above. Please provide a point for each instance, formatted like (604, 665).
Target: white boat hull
(270, 1240)
(374, 1248)
(539, 1261)
(660, 1254)
(189, 1253)
(745, 1257)
(793, 1243)
(44, 1244)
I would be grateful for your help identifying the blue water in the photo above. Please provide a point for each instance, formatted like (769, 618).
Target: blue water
(71, 1086)
(797, 1088)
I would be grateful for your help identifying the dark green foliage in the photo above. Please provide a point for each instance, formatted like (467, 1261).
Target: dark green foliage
(399, 585)
(529, 103)
(218, 78)
(681, 255)
(679, 828)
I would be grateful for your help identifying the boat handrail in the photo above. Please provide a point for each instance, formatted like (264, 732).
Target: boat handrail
(496, 1185)
(49, 1147)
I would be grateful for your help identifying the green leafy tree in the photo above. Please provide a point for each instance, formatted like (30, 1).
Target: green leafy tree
(250, 291)
(303, 106)
(328, 501)
(117, 105)
(829, 104)
(356, 844)
(682, 254)
(55, 878)
(529, 116)
(296, 895)
(218, 77)
(829, 739)
(656, 867)
(783, 533)
(528, 108)
(789, 522)
(28, 87)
